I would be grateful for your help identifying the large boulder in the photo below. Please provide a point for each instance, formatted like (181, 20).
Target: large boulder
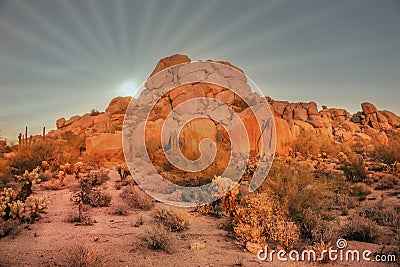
(368, 108)
(118, 105)
(104, 143)
(283, 136)
(170, 61)
(60, 123)
(392, 118)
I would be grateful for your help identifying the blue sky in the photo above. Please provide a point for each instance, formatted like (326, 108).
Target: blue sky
(59, 58)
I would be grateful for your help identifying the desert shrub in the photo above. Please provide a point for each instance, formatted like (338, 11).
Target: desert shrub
(120, 210)
(53, 184)
(310, 143)
(157, 238)
(386, 182)
(173, 219)
(28, 157)
(80, 219)
(135, 197)
(98, 177)
(360, 190)
(81, 256)
(354, 168)
(88, 193)
(9, 227)
(123, 171)
(389, 153)
(361, 229)
(382, 213)
(302, 196)
(260, 219)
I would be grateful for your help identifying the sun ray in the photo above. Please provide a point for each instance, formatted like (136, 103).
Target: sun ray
(105, 32)
(64, 40)
(165, 27)
(181, 33)
(274, 34)
(227, 29)
(142, 38)
(87, 34)
(121, 22)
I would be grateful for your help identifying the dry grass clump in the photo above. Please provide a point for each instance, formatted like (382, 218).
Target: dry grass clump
(135, 197)
(157, 238)
(52, 184)
(260, 219)
(173, 219)
(81, 256)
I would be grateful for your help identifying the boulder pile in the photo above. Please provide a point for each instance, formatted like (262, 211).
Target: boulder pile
(103, 131)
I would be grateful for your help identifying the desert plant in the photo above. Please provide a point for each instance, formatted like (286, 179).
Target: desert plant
(120, 210)
(173, 219)
(52, 184)
(123, 171)
(360, 190)
(88, 192)
(260, 219)
(386, 182)
(388, 153)
(28, 157)
(354, 168)
(383, 213)
(360, 229)
(81, 256)
(135, 197)
(309, 143)
(36, 206)
(28, 179)
(157, 238)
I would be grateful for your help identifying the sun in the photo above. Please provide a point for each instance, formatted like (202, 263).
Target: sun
(128, 88)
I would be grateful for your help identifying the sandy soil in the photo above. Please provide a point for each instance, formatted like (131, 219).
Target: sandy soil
(46, 242)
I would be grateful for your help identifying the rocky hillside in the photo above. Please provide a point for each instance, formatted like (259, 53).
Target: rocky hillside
(103, 131)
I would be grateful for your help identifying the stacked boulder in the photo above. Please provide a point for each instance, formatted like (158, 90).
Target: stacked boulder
(103, 131)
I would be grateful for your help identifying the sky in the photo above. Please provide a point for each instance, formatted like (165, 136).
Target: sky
(59, 58)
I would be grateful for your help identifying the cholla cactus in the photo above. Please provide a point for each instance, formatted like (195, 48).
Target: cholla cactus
(79, 167)
(17, 209)
(30, 177)
(230, 199)
(35, 206)
(61, 177)
(7, 196)
(28, 180)
(45, 165)
(67, 168)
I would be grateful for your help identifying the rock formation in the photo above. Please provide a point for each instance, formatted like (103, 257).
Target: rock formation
(103, 131)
